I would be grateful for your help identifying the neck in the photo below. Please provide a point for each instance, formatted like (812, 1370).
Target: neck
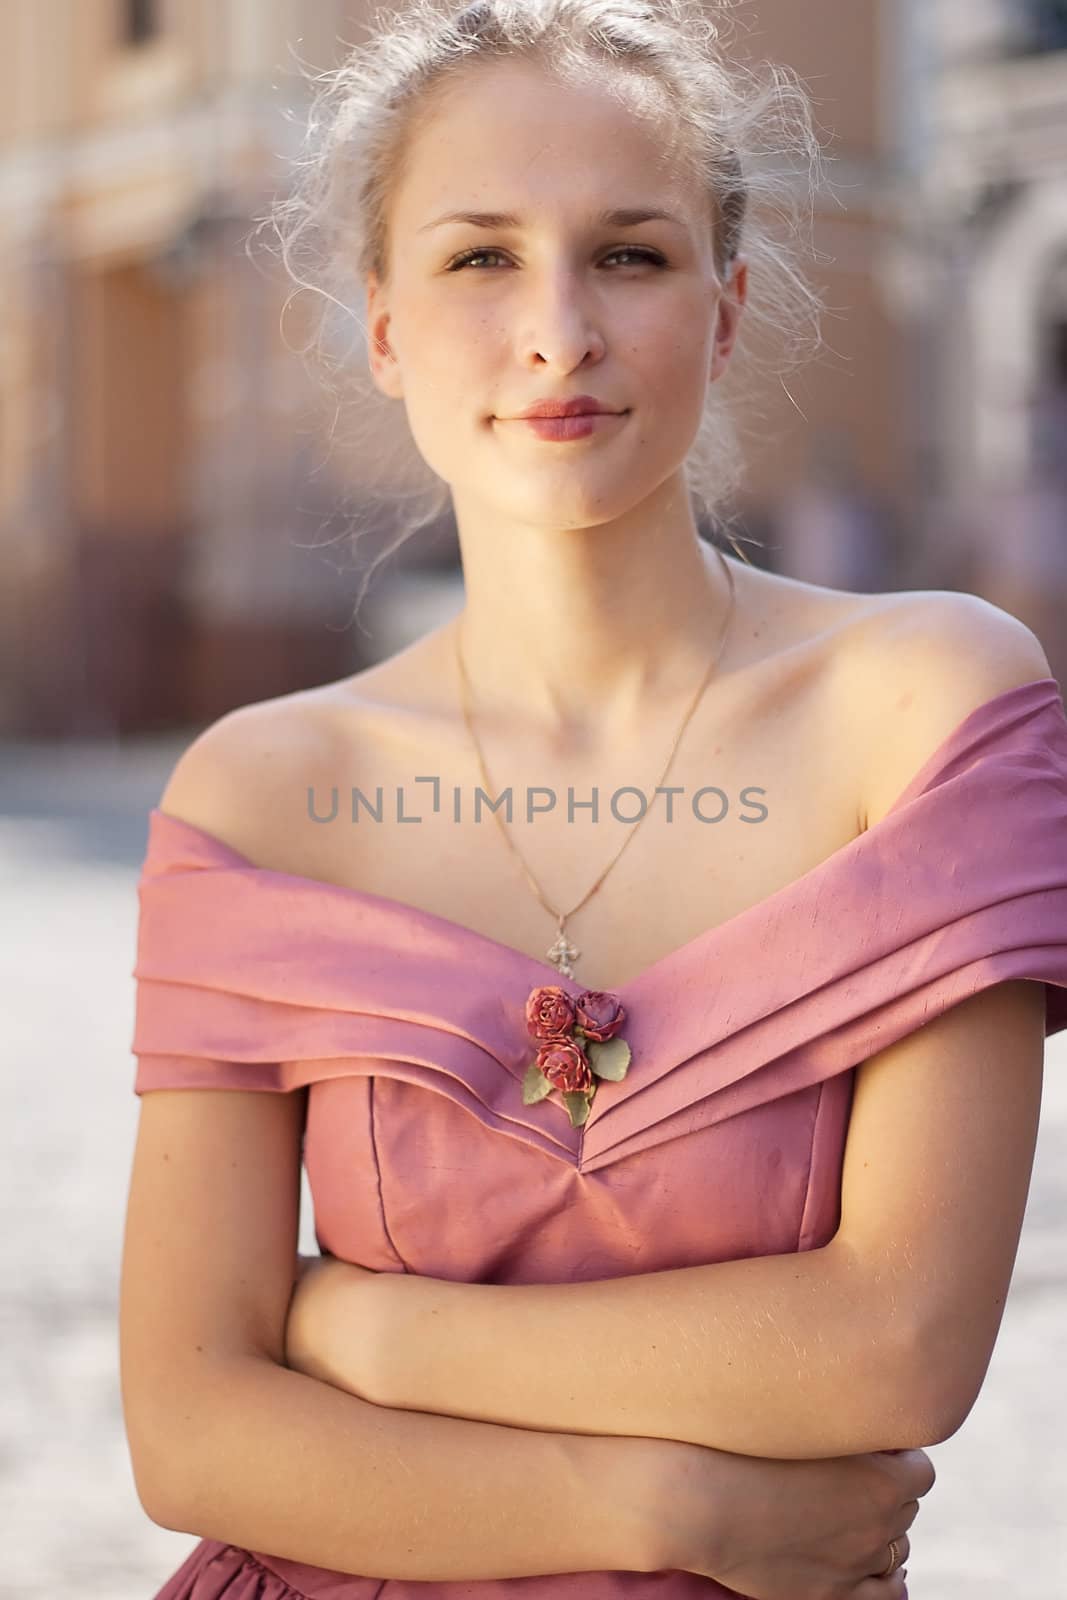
(577, 635)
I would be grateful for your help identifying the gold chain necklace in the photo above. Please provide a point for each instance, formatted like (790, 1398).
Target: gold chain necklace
(562, 953)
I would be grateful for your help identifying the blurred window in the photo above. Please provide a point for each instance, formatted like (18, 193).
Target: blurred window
(142, 20)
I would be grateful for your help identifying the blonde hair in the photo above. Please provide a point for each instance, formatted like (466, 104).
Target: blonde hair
(732, 124)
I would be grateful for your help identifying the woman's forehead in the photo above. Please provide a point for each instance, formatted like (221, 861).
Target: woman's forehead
(557, 152)
(522, 93)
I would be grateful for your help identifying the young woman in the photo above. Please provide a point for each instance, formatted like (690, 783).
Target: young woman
(670, 1134)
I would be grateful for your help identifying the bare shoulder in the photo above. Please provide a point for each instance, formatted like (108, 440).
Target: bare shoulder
(238, 775)
(924, 660)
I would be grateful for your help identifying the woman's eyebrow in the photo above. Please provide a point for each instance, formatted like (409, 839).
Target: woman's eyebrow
(625, 217)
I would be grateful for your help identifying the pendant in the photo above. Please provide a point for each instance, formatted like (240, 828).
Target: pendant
(563, 953)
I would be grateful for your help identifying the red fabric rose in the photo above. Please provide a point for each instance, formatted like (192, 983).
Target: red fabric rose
(599, 1015)
(579, 1044)
(564, 1065)
(549, 1013)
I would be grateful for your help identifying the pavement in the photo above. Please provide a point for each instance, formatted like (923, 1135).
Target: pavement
(73, 822)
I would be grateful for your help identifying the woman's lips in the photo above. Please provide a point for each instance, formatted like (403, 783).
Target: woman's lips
(570, 427)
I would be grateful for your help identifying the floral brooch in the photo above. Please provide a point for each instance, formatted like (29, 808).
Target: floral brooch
(578, 1042)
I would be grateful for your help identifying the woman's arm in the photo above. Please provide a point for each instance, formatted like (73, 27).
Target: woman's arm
(879, 1340)
(285, 1464)
(227, 1443)
(769, 1356)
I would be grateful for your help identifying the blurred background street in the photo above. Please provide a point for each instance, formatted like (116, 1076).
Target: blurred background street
(179, 501)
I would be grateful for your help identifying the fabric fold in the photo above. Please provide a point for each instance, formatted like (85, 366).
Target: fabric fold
(217, 1571)
(255, 978)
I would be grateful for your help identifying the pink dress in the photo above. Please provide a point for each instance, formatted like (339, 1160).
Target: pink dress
(724, 1140)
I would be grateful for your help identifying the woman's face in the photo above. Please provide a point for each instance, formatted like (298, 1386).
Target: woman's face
(482, 320)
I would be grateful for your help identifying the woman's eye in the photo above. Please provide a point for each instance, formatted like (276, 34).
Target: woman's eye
(640, 252)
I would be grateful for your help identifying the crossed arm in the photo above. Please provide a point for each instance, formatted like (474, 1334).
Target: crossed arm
(879, 1340)
(769, 1356)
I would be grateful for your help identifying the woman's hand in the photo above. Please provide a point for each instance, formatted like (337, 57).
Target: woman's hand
(303, 1323)
(329, 1332)
(793, 1530)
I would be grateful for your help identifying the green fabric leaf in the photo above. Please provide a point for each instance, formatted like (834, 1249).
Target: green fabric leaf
(577, 1105)
(610, 1058)
(535, 1085)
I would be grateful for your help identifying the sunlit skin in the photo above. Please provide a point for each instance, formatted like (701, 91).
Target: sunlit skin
(591, 542)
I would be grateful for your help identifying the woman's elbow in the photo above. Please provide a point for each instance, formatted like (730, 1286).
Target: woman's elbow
(166, 1433)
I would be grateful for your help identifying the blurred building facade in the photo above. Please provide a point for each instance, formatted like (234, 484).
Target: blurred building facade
(156, 464)
(163, 461)
(995, 192)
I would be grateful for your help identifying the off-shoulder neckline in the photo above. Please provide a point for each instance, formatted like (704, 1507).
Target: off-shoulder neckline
(919, 782)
